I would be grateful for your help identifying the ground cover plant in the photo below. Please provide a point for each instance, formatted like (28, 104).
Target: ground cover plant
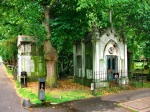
(66, 90)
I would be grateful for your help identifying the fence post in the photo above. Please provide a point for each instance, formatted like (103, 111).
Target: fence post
(121, 77)
(92, 88)
(142, 78)
(94, 75)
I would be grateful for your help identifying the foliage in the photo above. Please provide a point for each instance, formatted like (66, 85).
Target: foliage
(8, 49)
(125, 16)
(24, 21)
(17, 18)
(67, 96)
(58, 95)
(20, 19)
(70, 20)
(129, 14)
(29, 94)
(68, 25)
(67, 90)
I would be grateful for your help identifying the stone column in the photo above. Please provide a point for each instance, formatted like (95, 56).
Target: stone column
(74, 59)
(94, 54)
(125, 59)
(19, 67)
(97, 51)
(83, 59)
(119, 63)
(97, 55)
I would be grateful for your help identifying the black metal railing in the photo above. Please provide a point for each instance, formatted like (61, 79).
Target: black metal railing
(120, 78)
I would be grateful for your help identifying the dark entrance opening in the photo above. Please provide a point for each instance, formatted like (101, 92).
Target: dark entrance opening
(112, 66)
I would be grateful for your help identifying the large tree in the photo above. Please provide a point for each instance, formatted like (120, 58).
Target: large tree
(52, 22)
(62, 26)
(17, 18)
(129, 17)
(57, 23)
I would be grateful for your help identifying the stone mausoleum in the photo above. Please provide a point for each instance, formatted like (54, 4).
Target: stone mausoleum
(30, 58)
(99, 56)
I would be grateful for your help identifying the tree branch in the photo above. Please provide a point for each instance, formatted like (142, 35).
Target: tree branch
(52, 3)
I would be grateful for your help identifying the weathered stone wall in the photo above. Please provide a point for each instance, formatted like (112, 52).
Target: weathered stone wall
(30, 58)
(33, 65)
(98, 52)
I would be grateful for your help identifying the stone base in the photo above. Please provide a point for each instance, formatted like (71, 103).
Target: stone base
(101, 84)
(123, 81)
(26, 102)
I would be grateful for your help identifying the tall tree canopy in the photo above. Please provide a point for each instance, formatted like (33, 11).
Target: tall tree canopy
(129, 17)
(50, 21)
(57, 23)
(17, 18)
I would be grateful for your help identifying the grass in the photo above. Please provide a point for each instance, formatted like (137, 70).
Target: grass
(57, 95)
(66, 91)
(137, 84)
(9, 72)
(146, 84)
(65, 96)
(25, 93)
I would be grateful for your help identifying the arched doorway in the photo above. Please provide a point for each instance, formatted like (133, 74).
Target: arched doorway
(112, 66)
(111, 53)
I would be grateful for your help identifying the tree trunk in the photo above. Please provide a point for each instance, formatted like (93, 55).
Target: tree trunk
(13, 60)
(50, 53)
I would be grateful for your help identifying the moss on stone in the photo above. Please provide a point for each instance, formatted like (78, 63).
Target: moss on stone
(39, 68)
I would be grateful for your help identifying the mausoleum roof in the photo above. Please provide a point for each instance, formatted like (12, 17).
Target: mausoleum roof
(24, 39)
(88, 37)
(102, 31)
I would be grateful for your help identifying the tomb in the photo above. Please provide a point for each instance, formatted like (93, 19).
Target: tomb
(30, 58)
(101, 57)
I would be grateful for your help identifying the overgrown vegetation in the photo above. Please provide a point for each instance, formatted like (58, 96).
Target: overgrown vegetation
(70, 21)
(57, 95)
(68, 93)
(8, 50)
(67, 90)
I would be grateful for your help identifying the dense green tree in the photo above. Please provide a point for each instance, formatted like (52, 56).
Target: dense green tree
(64, 25)
(134, 24)
(57, 23)
(17, 18)
(52, 22)
(68, 25)
(129, 17)
(8, 50)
